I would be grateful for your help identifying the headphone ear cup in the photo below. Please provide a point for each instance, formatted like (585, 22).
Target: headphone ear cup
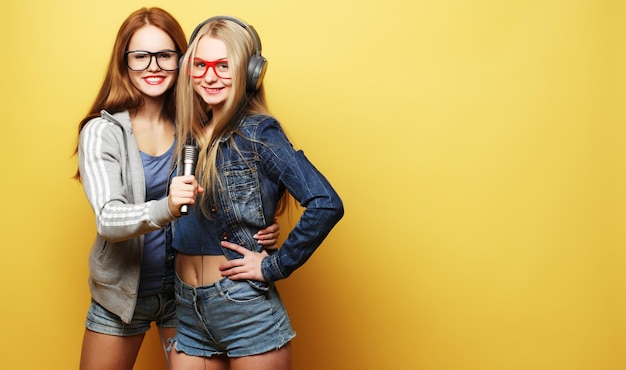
(256, 71)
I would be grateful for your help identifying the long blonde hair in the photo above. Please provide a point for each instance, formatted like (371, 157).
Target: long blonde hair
(193, 113)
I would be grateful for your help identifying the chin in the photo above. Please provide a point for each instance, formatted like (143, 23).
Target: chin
(213, 100)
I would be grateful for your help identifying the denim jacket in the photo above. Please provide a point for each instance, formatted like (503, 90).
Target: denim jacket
(255, 173)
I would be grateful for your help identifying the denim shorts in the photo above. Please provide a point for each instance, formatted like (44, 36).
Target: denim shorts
(158, 308)
(230, 317)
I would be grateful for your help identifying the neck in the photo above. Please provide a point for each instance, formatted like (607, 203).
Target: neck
(216, 113)
(151, 110)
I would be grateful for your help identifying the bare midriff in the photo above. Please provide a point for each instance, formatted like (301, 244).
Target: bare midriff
(199, 270)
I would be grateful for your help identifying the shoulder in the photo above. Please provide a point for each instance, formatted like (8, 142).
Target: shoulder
(266, 131)
(106, 133)
(256, 124)
(107, 124)
(257, 120)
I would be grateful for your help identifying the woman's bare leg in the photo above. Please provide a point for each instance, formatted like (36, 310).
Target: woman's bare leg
(182, 361)
(279, 359)
(166, 334)
(109, 352)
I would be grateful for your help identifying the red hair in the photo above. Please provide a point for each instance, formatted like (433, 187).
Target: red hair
(117, 94)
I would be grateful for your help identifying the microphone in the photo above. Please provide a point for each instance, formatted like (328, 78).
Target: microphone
(190, 159)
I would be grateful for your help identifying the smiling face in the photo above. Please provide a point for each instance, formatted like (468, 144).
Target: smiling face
(153, 81)
(213, 89)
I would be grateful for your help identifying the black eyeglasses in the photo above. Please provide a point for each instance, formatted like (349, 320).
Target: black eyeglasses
(139, 60)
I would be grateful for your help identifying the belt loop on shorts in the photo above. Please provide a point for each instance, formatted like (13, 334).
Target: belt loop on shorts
(193, 291)
(223, 285)
(218, 287)
(178, 285)
(184, 288)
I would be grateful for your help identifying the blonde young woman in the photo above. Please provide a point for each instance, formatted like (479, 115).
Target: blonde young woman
(125, 150)
(230, 313)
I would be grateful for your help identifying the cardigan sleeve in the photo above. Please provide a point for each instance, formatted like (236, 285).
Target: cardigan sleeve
(103, 160)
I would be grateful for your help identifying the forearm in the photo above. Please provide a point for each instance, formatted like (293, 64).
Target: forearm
(302, 242)
(118, 221)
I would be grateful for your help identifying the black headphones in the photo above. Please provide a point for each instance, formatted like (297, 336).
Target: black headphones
(257, 65)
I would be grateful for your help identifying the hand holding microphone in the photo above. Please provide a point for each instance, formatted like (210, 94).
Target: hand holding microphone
(190, 159)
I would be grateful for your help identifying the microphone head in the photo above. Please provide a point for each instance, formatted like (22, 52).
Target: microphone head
(190, 158)
(190, 154)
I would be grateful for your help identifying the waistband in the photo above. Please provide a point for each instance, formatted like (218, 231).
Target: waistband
(217, 288)
(205, 291)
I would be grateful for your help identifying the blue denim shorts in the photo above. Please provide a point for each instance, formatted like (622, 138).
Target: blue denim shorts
(230, 317)
(158, 308)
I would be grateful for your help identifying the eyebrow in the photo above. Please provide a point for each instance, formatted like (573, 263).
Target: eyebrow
(223, 58)
(146, 51)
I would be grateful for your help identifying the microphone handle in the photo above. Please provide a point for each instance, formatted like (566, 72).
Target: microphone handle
(190, 158)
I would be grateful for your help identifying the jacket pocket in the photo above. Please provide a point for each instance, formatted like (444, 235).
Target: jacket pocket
(242, 184)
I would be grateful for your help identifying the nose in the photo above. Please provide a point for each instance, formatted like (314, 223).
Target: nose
(210, 74)
(153, 66)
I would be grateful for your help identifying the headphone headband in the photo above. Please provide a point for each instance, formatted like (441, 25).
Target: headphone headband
(257, 64)
(248, 27)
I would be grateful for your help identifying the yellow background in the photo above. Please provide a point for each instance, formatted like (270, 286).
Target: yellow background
(478, 146)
